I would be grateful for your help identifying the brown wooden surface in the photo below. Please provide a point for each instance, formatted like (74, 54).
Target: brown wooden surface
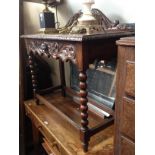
(79, 37)
(128, 118)
(127, 147)
(62, 77)
(22, 86)
(124, 107)
(51, 147)
(54, 130)
(130, 79)
(81, 50)
(36, 139)
(70, 109)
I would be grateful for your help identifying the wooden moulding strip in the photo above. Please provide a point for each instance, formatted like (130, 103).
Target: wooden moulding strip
(107, 122)
(50, 148)
(48, 130)
(48, 104)
(48, 151)
(48, 90)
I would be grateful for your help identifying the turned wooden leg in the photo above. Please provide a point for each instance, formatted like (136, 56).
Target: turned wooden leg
(33, 75)
(62, 77)
(84, 111)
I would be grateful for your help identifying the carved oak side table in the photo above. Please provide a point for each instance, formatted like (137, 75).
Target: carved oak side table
(81, 50)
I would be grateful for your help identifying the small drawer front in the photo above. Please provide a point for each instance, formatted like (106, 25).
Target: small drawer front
(47, 149)
(54, 147)
(40, 124)
(127, 147)
(33, 118)
(128, 118)
(130, 79)
(51, 147)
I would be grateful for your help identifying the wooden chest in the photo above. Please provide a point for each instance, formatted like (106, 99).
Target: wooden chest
(125, 98)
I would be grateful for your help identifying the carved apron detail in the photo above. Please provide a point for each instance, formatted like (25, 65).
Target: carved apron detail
(56, 50)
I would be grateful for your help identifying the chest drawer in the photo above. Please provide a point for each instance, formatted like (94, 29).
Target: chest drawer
(130, 78)
(51, 146)
(127, 147)
(32, 117)
(128, 117)
(40, 123)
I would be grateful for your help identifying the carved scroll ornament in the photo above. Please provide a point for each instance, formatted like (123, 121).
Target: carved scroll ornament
(104, 24)
(55, 50)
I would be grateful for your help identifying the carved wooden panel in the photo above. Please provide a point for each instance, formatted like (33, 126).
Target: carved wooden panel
(127, 147)
(128, 117)
(53, 49)
(130, 79)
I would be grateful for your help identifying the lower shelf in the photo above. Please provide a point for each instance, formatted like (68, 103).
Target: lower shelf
(54, 128)
(69, 110)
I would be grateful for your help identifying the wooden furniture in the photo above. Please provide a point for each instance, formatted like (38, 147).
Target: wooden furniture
(125, 98)
(60, 138)
(81, 50)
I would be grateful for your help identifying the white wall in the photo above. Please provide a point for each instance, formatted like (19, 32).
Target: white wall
(123, 10)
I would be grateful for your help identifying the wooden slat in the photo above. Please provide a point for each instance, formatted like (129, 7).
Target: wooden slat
(65, 136)
(48, 151)
(68, 109)
(107, 122)
(48, 90)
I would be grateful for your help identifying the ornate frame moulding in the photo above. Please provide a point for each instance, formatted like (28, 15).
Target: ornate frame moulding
(55, 50)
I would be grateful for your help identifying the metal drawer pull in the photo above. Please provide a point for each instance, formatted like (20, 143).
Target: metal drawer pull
(45, 122)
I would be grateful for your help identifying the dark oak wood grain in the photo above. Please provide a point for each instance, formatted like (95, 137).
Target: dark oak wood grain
(130, 79)
(127, 147)
(125, 94)
(81, 50)
(128, 118)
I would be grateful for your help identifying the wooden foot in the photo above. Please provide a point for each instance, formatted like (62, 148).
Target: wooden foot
(85, 146)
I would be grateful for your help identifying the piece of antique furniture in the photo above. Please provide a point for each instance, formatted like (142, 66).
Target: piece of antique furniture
(81, 50)
(69, 108)
(125, 98)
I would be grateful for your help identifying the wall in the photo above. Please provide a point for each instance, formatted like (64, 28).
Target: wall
(120, 9)
(123, 10)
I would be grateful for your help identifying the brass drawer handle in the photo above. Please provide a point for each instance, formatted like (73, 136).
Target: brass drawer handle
(39, 127)
(45, 122)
